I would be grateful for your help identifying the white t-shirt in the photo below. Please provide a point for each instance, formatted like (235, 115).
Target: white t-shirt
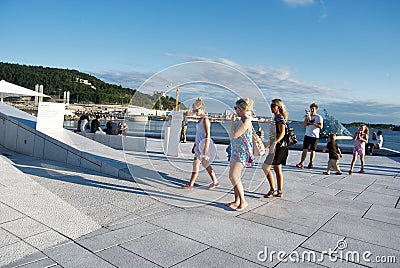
(379, 141)
(311, 130)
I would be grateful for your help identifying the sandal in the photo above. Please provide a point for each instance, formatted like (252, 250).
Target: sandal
(300, 165)
(213, 185)
(187, 187)
(278, 193)
(270, 194)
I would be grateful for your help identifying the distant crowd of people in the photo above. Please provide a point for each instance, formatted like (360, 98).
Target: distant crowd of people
(112, 127)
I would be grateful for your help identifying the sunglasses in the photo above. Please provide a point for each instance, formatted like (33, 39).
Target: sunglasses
(273, 105)
(195, 110)
(236, 108)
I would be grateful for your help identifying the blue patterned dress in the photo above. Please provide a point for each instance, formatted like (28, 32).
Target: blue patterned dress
(242, 149)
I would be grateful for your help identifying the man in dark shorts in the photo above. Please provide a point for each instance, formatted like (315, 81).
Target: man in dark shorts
(313, 123)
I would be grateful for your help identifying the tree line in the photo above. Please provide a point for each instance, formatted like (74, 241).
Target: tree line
(55, 81)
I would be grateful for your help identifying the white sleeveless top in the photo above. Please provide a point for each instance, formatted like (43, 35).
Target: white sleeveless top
(201, 139)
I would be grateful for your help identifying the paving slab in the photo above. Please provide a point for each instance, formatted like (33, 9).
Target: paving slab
(338, 204)
(369, 254)
(377, 198)
(7, 238)
(117, 237)
(15, 251)
(124, 258)
(230, 234)
(310, 215)
(165, 248)
(24, 227)
(370, 231)
(322, 241)
(216, 258)
(31, 259)
(73, 255)
(347, 195)
(384, 214)
(279, 224)
(383, 189)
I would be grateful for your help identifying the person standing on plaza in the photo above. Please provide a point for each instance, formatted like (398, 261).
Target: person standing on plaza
(313, 123)
(184, 129)
(360, 139)
(204, 148)
(278, 151)
(241, 150)
(334, 153)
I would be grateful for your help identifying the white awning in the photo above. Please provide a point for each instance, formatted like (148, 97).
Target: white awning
(8, 89)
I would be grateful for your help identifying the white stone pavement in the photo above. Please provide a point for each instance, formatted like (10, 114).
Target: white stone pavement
(54, 214)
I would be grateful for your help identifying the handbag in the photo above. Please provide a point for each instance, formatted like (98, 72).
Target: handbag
(290, 137)
(258, 145)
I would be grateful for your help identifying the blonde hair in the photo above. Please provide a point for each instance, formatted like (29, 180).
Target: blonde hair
(246, 105)
(282, 108)
(366, 130)
(199, 104)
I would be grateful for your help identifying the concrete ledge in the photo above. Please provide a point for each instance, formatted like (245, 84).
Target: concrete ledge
(18, 133)
(128, 143)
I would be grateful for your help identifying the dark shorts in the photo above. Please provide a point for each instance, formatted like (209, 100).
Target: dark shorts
(277, 158)
(310, 143)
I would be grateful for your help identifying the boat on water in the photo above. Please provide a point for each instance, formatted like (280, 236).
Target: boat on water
(136, 118)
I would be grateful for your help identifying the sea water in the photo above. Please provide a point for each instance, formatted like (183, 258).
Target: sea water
(220, 130)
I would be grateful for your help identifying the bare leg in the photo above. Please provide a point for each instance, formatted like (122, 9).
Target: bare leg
(312, 156)
(210, 170)
(353, 161)
(195, 172)
(279, 177)
(303, 156)
(235, 169)
(362, 162)
(267, 171)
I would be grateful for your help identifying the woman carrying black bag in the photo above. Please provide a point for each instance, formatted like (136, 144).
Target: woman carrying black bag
(278, 150)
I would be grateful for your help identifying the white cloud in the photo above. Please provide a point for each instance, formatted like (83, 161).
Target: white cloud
(272, 82)
(298, 2)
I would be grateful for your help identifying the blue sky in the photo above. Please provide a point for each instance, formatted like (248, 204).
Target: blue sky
(342, 54)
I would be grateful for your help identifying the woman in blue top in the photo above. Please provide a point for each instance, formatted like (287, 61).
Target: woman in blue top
(241, 150)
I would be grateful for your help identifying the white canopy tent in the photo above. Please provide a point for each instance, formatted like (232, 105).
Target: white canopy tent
(8, 89)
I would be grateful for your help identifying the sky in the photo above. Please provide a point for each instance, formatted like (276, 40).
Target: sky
(341, 54)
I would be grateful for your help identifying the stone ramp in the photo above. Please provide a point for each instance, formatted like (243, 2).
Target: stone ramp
(33, 217)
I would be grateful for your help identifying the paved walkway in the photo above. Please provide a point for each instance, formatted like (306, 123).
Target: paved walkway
(58, 215)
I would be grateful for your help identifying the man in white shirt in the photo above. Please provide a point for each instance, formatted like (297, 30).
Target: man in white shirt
(313, 123)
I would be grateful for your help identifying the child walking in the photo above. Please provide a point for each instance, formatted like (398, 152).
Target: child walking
(203, 148)
(334, 153)
(360, 139)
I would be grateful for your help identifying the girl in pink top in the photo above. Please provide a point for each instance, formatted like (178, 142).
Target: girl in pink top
(360, 139)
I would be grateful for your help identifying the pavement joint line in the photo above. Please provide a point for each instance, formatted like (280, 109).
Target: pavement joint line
(31, 262)
(272, 226)
(363, 216)
(397, 203)
(191, 256)
(139, 256)
(319, 228)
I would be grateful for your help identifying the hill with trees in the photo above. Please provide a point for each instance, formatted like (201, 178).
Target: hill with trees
(84, 88)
